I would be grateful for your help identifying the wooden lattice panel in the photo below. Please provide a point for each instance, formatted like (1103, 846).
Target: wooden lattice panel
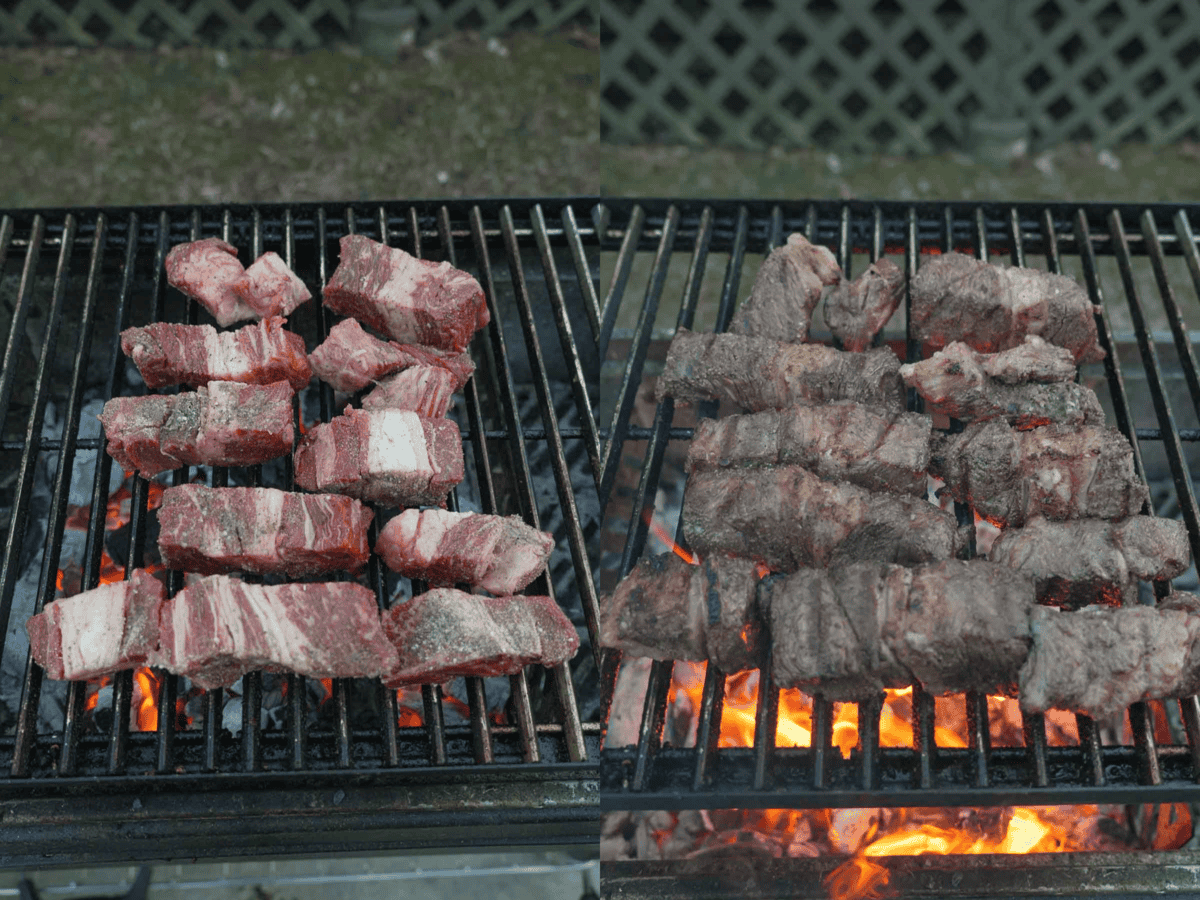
(492, 17)
(900, 75)
(289, 24)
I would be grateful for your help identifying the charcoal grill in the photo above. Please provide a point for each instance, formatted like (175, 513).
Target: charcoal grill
(1115, 250)
(87, 788)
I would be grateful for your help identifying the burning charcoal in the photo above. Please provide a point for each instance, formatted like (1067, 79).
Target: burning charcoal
(1027, 386)
(270, 288)
(207, 271)
(217, 530)
(857, 310)
(1055, 471)
(1101, 659)
(850, 632)
(411, 300)
(350, 359)
(262, 353)
(390, 456)
(98, 632)
(500, 554)
(1087, 561)
(992, 308)
(668, 609)
(443, 633)
(759, 373)
(785, 517)
(786, 291)
(842, 441)
(218, 629)
(427, 390)
(223, 424)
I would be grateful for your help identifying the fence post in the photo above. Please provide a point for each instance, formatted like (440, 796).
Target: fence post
(999, 131)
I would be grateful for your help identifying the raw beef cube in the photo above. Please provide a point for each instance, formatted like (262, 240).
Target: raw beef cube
(270, 288)
(350, 359)
(428, 390)
(207, 271)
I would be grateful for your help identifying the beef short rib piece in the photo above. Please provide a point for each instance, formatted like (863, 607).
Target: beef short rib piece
(857, 310)
(786, 291)
(263, 530)
(388, 456)
(208, 271)
(785, 517)
(445, 633)
(98, 632)
(758, 373)
(842, 441)
(1100, 659)
(1087, 561)
(219, 628)
(849, 632)
(411, 300)
(1027, 386)
(223, 424)
(261, 353)
(668, 609)
(350, 359)
(1055, 472)
(427, 390)
(993, 308)
(270, 287)
(497, 553)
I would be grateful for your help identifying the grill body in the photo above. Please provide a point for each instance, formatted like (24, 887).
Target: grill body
(1141, 264)
(506, 762)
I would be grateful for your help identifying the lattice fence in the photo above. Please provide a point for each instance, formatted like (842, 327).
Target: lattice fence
(491, 17)
(901, 75)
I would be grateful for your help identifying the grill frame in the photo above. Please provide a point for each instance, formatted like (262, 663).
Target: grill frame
(70, 797)
(649, 776)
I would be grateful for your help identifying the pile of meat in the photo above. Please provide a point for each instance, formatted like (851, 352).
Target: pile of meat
(824, 483)
(399, 450)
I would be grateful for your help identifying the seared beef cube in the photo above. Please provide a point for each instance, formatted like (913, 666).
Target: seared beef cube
(842, 441)
(389, 456)
(786, 518)
(263, 530)
(1027, 386)
(1086, 561)
(1055, 471)
(1101, 659)
(270, 288)
(857, 310)
(261, 353)
(412, 300)
(207, 271)
(992, 308)
(350, 359)
(497, 553)
(223, 424)
(668, 609)
(218, 629)
(428, 390)
(786, 291)
(444, 633)
(758, 373)
(98, 632)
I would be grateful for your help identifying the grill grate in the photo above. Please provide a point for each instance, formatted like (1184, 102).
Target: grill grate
(1141, 243)
(357, 780)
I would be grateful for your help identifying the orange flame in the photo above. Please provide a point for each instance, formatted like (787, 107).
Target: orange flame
(145, 698)
(662, 534)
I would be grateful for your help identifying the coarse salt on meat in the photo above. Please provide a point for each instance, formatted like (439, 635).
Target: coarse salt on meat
(409, 299)
(207, 271)
(270, 288)
(166, 354)
(98, 632)
(350, 359)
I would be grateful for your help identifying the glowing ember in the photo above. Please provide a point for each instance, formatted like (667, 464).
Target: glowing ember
(662, 534)
(408, 700)
(146, 684)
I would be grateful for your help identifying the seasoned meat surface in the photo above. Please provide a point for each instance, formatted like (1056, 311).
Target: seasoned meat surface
(412, 300)
(857, 310)
(428, 390)
(841, 441)
(350, 359)
(992, 308)
(758, 373)
(208, 271)
(270, 287)
(787, 518)
(786, 290)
